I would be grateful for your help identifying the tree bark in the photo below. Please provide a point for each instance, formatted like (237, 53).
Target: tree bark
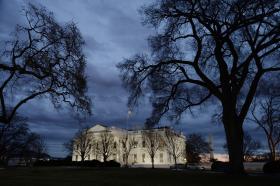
(104, 158)
(234, 136)
(153, 166)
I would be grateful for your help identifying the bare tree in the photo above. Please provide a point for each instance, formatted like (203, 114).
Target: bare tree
(11, 138)
(16, 141)
(174, 145)
(153, 143)
(106, 144)
(44, 58)
(250, 146)
(207, 50)
(128, 143)
(33, 148)
(267, 117)
(195, 146)
(83, 143)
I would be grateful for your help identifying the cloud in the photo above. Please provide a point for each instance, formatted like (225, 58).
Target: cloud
(112, 31)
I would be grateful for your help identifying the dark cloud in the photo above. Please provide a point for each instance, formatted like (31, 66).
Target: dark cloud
(112, 31)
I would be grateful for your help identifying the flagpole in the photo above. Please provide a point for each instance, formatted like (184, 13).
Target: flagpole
(129, 112)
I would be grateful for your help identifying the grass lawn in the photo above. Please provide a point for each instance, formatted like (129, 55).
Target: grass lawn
(110, 176)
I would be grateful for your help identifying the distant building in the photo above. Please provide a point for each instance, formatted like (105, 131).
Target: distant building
(139, 154)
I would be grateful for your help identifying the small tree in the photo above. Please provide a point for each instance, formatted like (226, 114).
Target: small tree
(16, 140)
(249, 146)
(33, 148)
(82, 143)
(12, 137)
(127, 145)
(268, 119)
(153, 142)
(195, 146)
(106, 144)
(174, 145)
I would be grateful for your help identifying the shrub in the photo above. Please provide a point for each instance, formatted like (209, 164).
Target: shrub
(52, 163)
(220, 166)
(272, 167)
(88, 163)
(2, 163)
(111, 163)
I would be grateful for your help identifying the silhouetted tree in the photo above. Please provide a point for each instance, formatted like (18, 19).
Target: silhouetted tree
(153, 143)
(33, 148)
(82, 144)
(106, 144)
(12, 137)
(44, 58)
(174, 145)
(195, 146)
(207, 49)
(267, 117)
(250, 146)
(16, 141)
(128, 143)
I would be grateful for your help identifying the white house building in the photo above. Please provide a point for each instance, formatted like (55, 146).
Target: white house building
(168, 147)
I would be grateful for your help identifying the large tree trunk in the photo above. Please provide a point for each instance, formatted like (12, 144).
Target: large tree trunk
(234, 136)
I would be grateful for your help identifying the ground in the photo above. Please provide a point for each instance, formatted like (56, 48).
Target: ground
(119, 176)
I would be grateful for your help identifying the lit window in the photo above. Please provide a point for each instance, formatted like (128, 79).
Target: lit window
(115, 157)
(135, 157)
(135, 144)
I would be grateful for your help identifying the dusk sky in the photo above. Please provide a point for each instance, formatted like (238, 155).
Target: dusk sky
(112, 31)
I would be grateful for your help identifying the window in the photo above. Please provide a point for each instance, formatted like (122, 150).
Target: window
(115, 145)
(161, 158)
(88, 157)
(135, 157)
(170, 157)
(135, 144)
(115, 157)
(143, 144)
(161, 144)
(143, 158)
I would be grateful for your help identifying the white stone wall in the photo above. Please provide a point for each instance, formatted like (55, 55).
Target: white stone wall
(139, 155)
